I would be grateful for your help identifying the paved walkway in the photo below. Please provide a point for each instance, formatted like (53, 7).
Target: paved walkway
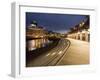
(78, 53)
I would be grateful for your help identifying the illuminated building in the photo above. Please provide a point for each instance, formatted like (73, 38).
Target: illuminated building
(35, 37)
(80, 31)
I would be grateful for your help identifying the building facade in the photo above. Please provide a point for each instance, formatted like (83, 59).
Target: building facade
(80, 31)
(35, 37)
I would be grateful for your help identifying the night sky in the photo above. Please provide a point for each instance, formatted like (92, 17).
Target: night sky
(55, 22)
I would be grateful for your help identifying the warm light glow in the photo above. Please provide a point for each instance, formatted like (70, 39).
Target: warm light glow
(89, 30)
(41, 36)
(53, 53)
(82, 23)
(37, 36)
(31, 45)
(48, 54)
(60, 52)
(78, 32)
(83, 31)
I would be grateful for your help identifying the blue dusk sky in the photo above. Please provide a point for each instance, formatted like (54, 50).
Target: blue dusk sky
(54, 22)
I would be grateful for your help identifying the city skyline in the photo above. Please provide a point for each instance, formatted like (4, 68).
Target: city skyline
(55, 22)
